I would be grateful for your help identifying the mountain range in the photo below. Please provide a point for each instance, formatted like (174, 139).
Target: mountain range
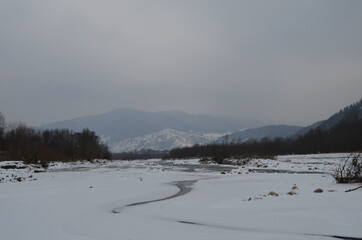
(271, 131)
(350, 113)
(128, 129)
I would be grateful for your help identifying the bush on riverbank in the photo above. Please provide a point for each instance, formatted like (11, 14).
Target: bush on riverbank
(350, 170)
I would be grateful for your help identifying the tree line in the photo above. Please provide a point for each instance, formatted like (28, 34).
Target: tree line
(345, 136)
(143, 154)
(20, 142)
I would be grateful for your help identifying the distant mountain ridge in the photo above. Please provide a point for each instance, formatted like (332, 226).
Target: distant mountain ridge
(127, 123)
(271, 131)
(132, 130)
(351, 113)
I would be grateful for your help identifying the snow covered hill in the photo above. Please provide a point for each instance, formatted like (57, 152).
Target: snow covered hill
(163, 140)
(129, 129)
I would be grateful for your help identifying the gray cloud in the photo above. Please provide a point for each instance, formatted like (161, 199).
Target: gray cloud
(280, 61)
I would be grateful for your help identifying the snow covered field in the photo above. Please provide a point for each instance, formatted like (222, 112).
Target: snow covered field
(267, 199)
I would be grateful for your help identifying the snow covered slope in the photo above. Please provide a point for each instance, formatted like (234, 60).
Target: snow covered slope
(163, 140)
(129, 129)
(127, 123)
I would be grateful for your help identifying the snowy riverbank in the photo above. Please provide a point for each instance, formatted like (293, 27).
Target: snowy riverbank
(99, 200)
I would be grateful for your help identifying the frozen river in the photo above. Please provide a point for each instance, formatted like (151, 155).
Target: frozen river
(267, 199)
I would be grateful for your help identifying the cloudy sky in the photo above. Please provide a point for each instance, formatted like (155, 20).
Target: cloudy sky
(292, 62)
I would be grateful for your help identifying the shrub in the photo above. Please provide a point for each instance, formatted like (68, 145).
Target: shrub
(44, 164)
(350, 170)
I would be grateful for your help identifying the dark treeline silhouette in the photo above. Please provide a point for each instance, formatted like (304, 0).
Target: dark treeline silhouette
(20, 142)
(139, 155)
(2, 130)
(349, 114)
(342, 132)
(346, 136)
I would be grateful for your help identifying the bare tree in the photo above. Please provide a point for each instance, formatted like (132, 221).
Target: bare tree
(2, 129)
(2, 121)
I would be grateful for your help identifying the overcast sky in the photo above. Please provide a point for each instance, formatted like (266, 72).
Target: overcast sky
(292, 62)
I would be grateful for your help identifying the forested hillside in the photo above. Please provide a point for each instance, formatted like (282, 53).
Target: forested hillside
(342, 132)
(271, 131)
(344, 137)
(350, 113)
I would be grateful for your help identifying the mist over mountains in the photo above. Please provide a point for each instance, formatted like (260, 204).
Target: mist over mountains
(133, 130)
(271, 131)
(127, 127)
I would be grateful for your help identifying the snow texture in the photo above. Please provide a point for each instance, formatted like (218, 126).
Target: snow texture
(163, 140)
(78, 200)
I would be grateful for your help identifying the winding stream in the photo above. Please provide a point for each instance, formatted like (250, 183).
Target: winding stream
(183, 186)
